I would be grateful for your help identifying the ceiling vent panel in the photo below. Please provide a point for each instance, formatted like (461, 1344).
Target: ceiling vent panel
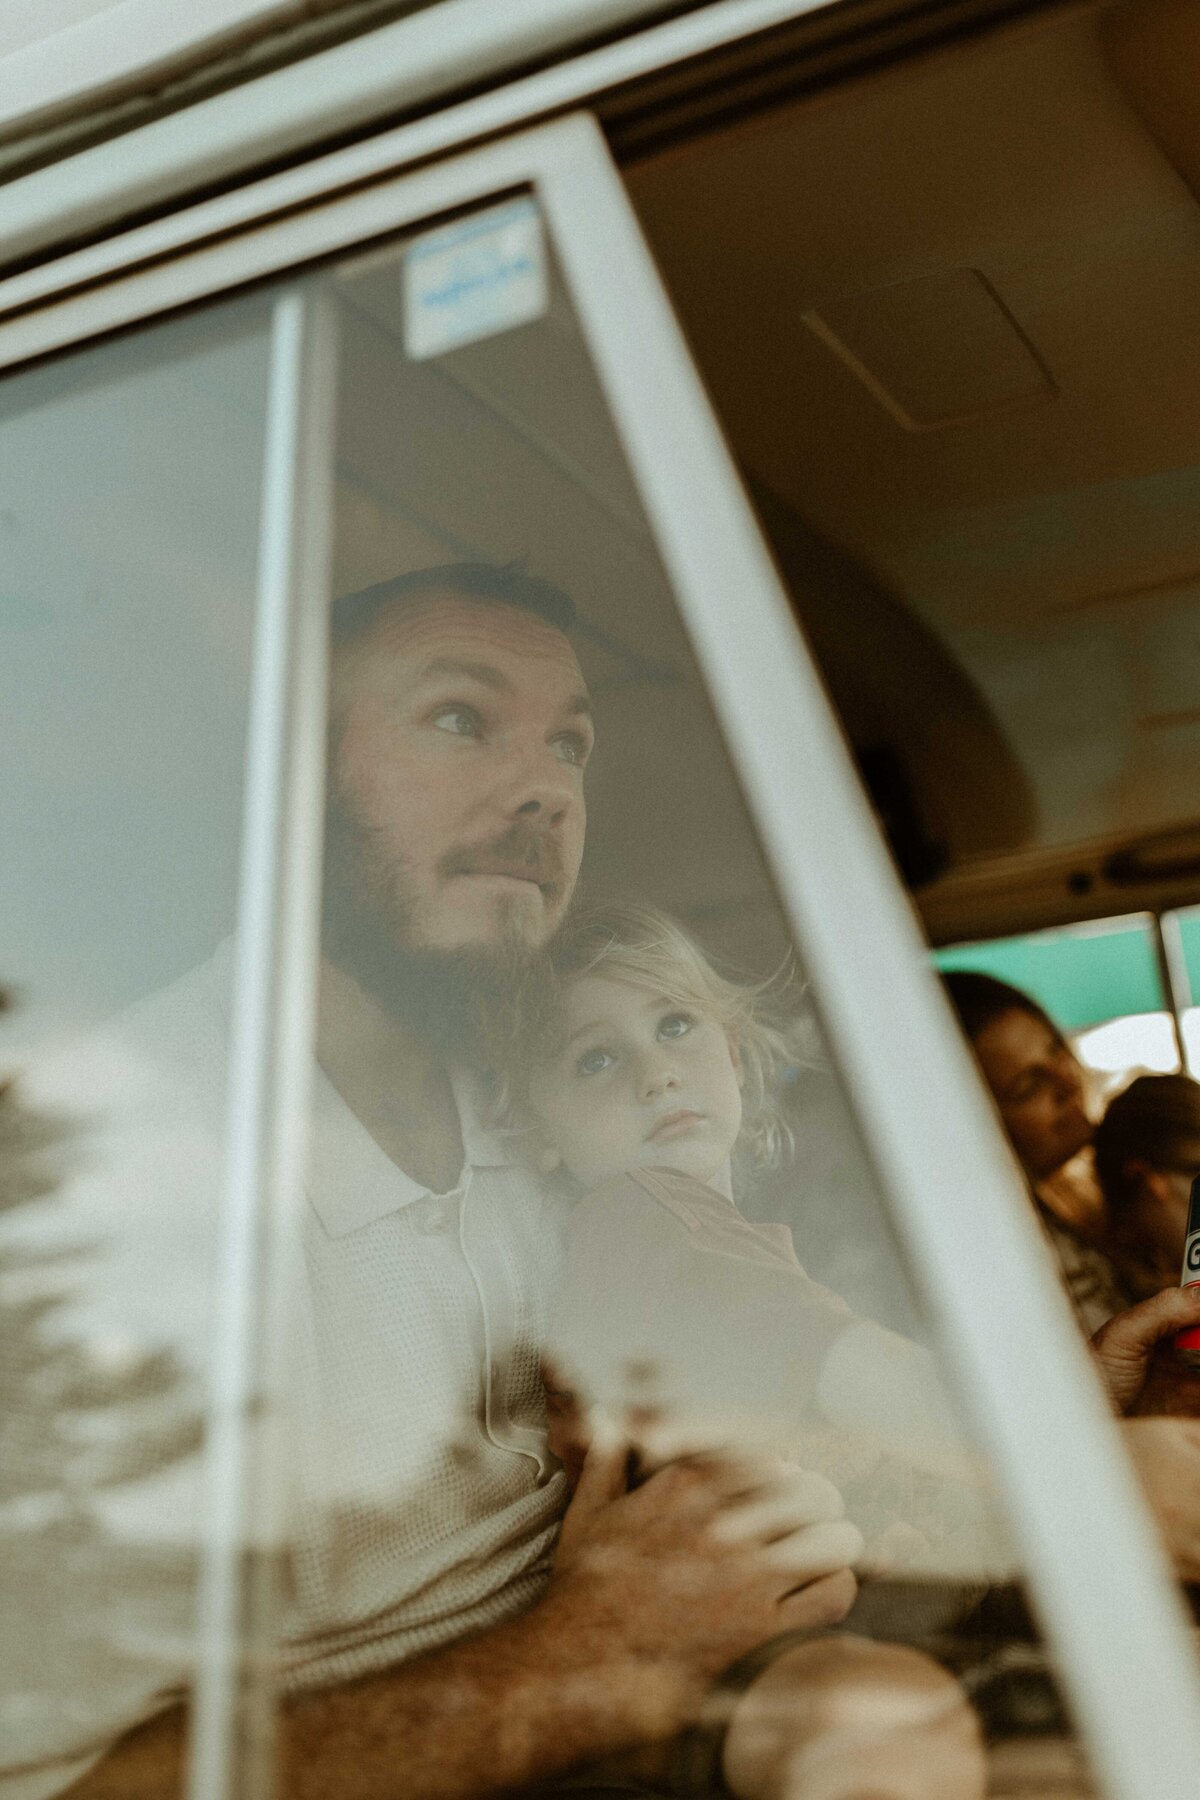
(941, 350)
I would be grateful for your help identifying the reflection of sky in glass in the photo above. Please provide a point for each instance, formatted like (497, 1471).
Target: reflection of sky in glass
(128, 540)
(131, 478)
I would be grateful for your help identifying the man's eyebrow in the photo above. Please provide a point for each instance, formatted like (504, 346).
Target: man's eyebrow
(485, 673)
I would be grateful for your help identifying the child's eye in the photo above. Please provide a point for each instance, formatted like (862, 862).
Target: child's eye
(594, 1062)
(460, 721)
(675, 1025)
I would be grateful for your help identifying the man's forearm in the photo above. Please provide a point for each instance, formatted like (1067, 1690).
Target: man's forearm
(514, 1706)
(654, 1592)
(519, 1704)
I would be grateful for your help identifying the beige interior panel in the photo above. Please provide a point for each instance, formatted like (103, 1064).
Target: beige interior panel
(948, 315)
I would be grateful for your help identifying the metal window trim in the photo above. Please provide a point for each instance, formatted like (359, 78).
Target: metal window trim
(108, 54)
(270, 1066)
(1176, 979)
(406, 64)
(275, 247)
(116, 46)
(1169, 964)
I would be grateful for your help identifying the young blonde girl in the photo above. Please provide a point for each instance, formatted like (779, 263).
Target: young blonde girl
(648, 1077)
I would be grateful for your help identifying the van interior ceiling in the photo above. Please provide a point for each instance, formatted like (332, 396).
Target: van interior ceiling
(947, 313)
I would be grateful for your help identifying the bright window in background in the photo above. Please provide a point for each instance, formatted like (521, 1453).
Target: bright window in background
(1099, 981)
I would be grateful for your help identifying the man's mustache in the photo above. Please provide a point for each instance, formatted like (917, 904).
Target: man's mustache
(528, 852)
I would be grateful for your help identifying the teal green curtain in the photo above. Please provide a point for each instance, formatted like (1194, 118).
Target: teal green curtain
(1081, 975)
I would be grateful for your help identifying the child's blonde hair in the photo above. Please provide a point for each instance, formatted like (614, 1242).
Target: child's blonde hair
(631, 942)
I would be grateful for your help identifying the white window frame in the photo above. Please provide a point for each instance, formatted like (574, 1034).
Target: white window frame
(404, 66)
(1101, 1584)
(272, 1032)
(115, 46)
(78, 53)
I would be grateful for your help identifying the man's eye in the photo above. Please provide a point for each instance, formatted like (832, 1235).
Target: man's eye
(594, 1062)
(675, 1025)
(572, 747)
(460, 721)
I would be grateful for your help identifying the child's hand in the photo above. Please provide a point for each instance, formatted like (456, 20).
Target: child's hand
(896, 1547)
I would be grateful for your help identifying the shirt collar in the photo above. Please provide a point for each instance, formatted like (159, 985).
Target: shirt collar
(484, 1145)
(352, 1182)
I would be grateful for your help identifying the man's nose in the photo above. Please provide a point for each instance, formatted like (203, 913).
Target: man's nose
(543, 788)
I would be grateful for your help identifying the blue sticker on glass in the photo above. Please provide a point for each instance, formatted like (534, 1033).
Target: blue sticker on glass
(472, 279)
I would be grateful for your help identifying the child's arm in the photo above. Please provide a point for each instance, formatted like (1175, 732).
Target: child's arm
(651, 1312)
(656, 1309)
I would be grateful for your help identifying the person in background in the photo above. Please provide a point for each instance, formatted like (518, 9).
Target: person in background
(1147, 1152)
(1038, 1086)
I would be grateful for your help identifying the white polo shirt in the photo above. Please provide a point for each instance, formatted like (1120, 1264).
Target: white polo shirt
(422, 1502)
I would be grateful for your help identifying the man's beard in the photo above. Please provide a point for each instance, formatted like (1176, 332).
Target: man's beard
(463, 1002)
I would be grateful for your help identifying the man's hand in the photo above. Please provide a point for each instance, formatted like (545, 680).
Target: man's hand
(654, 1593)
(1166, 1455)
(710, 1556)
(1136, 1361)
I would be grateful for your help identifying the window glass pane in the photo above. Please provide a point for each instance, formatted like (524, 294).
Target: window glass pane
(581, 1155)
(129, 511)
(568, 1167)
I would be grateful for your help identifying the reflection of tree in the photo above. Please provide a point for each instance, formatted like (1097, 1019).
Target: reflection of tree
(93, 1619)
(74, 1415)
